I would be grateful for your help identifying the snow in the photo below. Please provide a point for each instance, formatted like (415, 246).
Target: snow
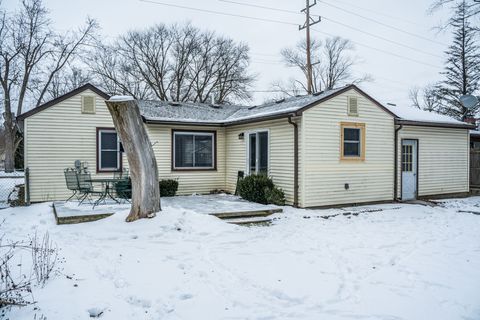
(12, 174)
(392, 261)
(7, 185)
(222, 114)
(414, 114)
(121, 98)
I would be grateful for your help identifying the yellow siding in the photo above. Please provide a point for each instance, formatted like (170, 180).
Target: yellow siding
(325, 175)
(443, 159)
(55, 138)
(61, 134)
(202, 181)
(280, 153)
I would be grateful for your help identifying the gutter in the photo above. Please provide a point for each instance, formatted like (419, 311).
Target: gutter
(395, 161)
(295, 160)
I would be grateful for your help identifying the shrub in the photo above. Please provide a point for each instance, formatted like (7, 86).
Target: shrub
(168, 187)
(275, 196)
(260, 189)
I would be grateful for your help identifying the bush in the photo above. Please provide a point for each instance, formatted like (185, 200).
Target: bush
(168, 187)
(275, 196)
(260, 189)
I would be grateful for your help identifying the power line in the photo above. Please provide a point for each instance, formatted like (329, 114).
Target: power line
(383, 51)
(382, 38)
(378, 13)
(288, 23)
(339, 23)
(382, 23)
(217, 12)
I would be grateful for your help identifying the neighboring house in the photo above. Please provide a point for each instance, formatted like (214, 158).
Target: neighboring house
(335, 147)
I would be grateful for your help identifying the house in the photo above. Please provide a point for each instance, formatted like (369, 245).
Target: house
(337, 147)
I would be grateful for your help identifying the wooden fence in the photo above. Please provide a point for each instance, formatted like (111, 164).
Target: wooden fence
(475, 168)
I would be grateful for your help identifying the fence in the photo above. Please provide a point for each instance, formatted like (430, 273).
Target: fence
(11, 191)
(474, 168)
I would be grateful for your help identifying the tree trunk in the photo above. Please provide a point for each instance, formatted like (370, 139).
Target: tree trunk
(9, 151)
(141, 159)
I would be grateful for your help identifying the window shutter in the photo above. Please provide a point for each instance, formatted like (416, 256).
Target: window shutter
(88, 104)
(352, 106)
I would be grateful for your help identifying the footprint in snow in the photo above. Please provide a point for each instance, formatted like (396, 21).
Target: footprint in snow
(186, 296)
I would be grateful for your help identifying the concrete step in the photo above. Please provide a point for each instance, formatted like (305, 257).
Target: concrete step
(250, 221)
(246, 214)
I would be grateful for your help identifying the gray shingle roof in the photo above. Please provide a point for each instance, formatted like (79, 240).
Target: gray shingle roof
(162, 111)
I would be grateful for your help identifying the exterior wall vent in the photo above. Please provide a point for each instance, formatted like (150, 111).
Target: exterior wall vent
(88, 104)
(352, 108)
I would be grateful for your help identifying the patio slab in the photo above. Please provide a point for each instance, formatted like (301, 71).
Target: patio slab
(221, 205)
(231, 208)
(70, 212)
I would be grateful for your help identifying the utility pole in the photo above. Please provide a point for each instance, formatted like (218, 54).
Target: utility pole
(309, 22)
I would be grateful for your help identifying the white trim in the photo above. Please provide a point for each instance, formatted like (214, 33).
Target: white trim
(194, 133)
(247, 150)
(100, 168)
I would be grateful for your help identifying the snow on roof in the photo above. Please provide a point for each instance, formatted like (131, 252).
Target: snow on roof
(207, 113)
(414, 114)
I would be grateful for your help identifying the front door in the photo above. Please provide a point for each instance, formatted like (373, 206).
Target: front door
(409, 169)
(257, 152)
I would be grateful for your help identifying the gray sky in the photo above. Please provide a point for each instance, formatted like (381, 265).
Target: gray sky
(393, 76)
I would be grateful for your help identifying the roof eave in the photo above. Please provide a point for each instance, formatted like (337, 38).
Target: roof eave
(434, 124)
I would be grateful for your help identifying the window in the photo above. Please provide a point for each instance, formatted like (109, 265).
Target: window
(88, 104)
(257, 146)
(407, 158)
(353, 141)
(193, 150)
(352, 108)
(109, 156)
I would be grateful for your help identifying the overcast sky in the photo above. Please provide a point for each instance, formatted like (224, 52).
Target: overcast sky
(415, 58)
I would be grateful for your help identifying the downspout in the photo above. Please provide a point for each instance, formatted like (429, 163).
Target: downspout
(395, 161)
(295, 160)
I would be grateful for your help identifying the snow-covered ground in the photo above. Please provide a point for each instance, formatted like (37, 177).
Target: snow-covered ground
(377, 262)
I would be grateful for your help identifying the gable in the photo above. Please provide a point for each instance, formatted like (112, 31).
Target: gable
(340, 105)
(87, 89)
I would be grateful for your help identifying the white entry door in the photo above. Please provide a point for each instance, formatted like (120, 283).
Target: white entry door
(409, 169)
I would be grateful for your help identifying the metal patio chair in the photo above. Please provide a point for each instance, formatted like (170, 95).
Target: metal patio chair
(72, 183)
(123, 189)
(86, 187)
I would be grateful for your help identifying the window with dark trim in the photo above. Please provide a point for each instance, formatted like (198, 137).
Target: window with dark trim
(109, 156)
(193, 150)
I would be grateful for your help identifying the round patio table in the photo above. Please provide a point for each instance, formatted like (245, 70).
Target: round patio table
(108, 187)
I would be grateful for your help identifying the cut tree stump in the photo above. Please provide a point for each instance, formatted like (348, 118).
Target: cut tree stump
(141, 159)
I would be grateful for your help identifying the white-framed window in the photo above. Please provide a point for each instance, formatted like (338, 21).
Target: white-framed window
(109, 156)
(257, 147)
(193, 150)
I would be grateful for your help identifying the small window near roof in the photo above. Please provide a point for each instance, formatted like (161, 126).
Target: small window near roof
(88, 104)
(352, 141)
(352, 108)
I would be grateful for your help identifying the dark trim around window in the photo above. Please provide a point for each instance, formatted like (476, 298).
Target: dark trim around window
(98, 129)
(172, 150)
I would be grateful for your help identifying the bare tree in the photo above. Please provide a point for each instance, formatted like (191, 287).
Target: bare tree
(179, 63)
(333, 65)
(426, 98)
(31, 54)
(472, 9)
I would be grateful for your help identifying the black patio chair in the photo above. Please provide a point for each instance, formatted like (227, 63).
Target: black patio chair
(121, 174)
(123, 189)
(72, 182)
(86, 187)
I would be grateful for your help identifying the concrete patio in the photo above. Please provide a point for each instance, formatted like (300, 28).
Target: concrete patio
(230, 208)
